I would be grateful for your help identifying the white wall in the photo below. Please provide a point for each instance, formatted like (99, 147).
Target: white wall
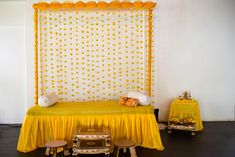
(193, 41)
(197, 52)
(29, 39)
(12, 62)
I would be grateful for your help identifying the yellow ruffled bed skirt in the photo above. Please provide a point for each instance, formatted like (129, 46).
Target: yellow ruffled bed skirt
(38, 129)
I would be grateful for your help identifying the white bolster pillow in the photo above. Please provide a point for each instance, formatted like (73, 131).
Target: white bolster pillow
(47, 100)
(143, 98)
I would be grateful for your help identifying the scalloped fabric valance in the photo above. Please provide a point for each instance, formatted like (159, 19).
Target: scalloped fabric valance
(95, 5)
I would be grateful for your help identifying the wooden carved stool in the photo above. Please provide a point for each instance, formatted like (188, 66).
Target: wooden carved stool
(124, 144)
(54, 145)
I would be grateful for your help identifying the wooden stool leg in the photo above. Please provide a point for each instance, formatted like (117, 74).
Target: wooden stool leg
(115, 151)
(118, 149)
(54, 152)
(47, 151)
(66, 150)
(133, 152)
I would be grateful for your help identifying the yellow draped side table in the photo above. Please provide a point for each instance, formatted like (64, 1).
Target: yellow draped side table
(185, 115)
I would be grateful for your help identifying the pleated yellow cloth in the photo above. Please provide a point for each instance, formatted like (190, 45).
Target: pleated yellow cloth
(58, 123)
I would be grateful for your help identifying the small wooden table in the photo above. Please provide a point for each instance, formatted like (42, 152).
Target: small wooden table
(124, 144)
(54, 145)
(91, 140)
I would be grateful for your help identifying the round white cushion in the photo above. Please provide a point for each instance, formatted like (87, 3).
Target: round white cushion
(47, 100)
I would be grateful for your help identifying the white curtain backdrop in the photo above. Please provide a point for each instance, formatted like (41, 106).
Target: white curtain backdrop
(89, 55)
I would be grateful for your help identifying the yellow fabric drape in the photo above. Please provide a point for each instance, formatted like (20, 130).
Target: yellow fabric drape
(187, 111)
(95, 5)
(37, 129)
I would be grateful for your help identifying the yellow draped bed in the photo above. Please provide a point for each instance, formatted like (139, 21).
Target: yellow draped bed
(58, 122)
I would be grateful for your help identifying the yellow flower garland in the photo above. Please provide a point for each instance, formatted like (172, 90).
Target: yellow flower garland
(36, 56)
(150, 51)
